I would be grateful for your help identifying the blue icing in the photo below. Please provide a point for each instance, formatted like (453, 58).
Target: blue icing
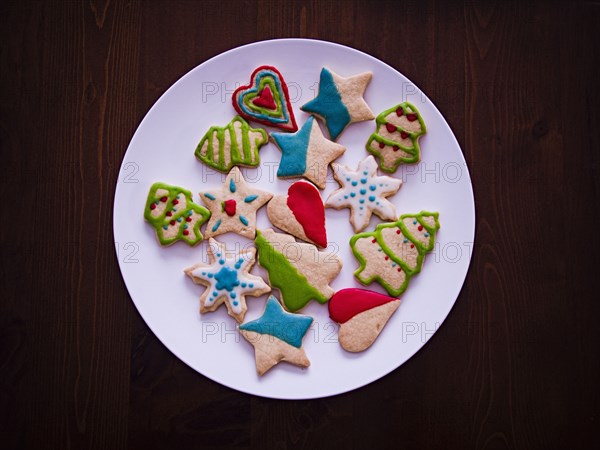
(363, 180)
(243, 284)
(352, 194)
(290, 328)
(371, 198)
(250, 198)
(209, 196)
(226, 279)
(235, 303)
(354, 183)
(329, 105)
(216, 225)
(372, 187)
(239, 263)
(363, 191)
(362, 200)
(258, 115)
(232, 185)
(294, 148)
(221, 261)
(244, 220)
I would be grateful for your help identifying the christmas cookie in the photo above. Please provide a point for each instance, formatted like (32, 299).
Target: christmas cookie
(234, 206)
(300, 213)
(171, 211)
(364, 192)
(362, 315)
(396, 140)
(306, 153)
(235, 144)
(277, 336)
(227, 279)
(266, 100)
(394, 252)
(300, 271)
(340, 101)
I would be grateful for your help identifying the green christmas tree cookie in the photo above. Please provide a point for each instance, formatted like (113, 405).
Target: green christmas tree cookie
(171, 211)
(394, 252)
(396, 139)
(235, 144)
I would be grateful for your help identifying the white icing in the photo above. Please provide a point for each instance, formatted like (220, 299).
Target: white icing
(220, 258)
(364, 192)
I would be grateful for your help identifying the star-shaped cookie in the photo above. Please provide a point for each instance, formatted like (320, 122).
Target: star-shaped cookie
(227, 279)
(277, 336)
(234, 206)
(306, 153)
(364, 193)
(340, 101)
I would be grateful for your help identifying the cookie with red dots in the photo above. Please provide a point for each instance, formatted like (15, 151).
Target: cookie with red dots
(394, 252)
(174, 215)
(233, 207)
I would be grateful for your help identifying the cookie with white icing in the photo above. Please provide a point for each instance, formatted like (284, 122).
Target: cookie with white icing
(364, 192)
(227, 279)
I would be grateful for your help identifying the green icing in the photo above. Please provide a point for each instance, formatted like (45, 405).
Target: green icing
(377, 234)
(414, 150)
(162, 222)
(250, 96)
(240, 152)
(296, 290)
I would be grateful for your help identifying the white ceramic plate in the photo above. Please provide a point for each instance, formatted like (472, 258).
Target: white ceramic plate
(162, 149)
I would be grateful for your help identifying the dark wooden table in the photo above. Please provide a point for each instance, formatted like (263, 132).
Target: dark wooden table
(516, 364)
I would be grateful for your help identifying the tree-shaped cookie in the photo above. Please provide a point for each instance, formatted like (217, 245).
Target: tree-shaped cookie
(396, 139)
(171, 211)
(394, 252)
(235, 144)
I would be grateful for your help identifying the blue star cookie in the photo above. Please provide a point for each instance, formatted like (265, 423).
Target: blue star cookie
(340, 101)
(277, 336)
(227, 279)
(306, 153)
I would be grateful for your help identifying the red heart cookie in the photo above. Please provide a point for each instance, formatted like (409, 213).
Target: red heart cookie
(362, 314)
(300, 213)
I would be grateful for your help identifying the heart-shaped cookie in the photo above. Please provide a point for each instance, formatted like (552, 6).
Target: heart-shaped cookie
(362, 314)
(266, 100)
(300, 213)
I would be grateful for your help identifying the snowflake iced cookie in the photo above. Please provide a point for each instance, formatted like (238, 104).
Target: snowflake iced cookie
(300, 213)
(277, 336)
(394, 252)
(396, 139)
(362, 314)
(364, 192)
(171, 211)
(306, 153)
(340, 101)
(235, 144)
(266, 100)
(227, 279)
(233, 206)
(300, 271)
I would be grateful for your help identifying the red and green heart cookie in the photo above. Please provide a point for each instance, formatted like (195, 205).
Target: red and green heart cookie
(300, 213)
(362, 314)
(266, 100)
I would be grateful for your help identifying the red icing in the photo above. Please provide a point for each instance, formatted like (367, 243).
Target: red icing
(398, 231)
(172, 222)
(387, 257)
(229, 206)
(175, 201)
(163, 199)
(188, 219)
(396, 148)
(347, 303)
(292, 126)
(403, 134)
(381, 145)
(411, 117)
(169, 213)
(305, 202)
(399, 269)
(420, 228)
(399, 111)
(374, 241)
(391, 128)
(186, 232)
(412, 245)
(153, 206)
(265, 99)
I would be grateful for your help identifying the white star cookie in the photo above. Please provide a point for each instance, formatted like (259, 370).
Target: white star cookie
(364, 193)
(227, 279)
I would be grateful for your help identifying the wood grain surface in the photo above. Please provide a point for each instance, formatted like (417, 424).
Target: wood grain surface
(515, 366)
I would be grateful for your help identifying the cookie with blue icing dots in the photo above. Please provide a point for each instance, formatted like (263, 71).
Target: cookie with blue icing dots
(340, 101)
(306, 153)
(233, 207)
(364, 192)
(227, 279)
(277, 336)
